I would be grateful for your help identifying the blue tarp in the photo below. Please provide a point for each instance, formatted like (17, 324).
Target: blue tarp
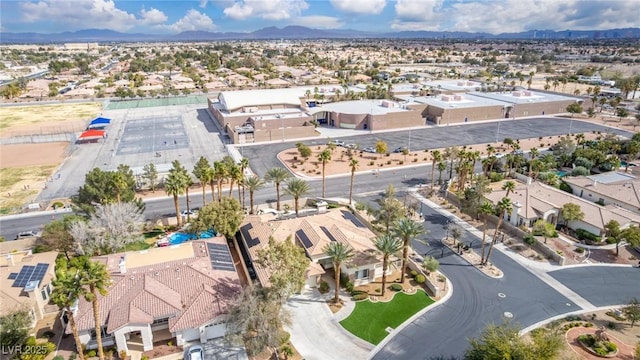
(100, 120)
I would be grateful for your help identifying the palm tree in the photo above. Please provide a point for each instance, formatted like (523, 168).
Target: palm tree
(219, 174)
(119, 183)
(533, 154)
(202, 173)
(297, 188)
(95, 280)
(503, 207)
(252, 183)
(406, 229)
(66, 291)
(510, 186)
(353, 163)
(210, 176)
(277, 175)
(324, 156)
(442, 166)
(187, 184)
(339, 253)
(436, 157)
(175, 185)
(484, 211)
(244, 165)
(387, 244)
(235, 176)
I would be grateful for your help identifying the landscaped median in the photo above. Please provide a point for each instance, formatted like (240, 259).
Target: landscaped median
(370, 320)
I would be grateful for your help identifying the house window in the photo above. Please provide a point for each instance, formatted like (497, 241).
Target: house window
(160, 321)
(43, 292)
(362, 274)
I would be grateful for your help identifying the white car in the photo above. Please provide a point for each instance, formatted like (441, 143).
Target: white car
(267, 211)
(196, 353)
(498, 155)
(337, 142)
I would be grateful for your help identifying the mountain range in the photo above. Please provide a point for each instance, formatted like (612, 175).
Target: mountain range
(301, 32)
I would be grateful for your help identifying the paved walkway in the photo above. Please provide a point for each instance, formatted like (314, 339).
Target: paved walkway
(315, 331)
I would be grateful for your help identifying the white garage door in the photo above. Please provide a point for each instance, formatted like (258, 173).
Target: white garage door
(214, 331)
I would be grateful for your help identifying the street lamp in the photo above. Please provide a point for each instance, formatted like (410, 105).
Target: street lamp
(498, 132)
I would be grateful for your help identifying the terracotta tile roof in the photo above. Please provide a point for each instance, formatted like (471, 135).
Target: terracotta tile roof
(172, 289)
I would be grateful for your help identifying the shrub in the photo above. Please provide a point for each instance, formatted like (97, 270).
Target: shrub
(57, 205)
(358, 297)
(287, 350)
(284, 337)
(324, 287)
(583, 234)
(420, 279)
(430, 264)
(413, 273)
(144, 357)
(371, 163)
(73, 356)
(388, 162)
(495, 177)
(529, 239)
(579, 250)
(378, 290)
(58, 357)
(91, 353)
(396, 287)
(415, 160)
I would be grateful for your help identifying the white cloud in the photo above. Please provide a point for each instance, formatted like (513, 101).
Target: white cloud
(193, 21)
(266, 9)
(501, 16)
(94, 14)
(318, 22)
(152, 17)
(368, 7)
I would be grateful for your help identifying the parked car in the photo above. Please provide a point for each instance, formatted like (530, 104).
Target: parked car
(196, 352)
(351, 146)
(498, 155)
(369, 149)
(517, 152)
(400, 149)
(337, 142)
(267, 211)
(27, 234)
(187, 212)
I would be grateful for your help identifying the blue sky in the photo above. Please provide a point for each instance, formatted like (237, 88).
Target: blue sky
(170, 16)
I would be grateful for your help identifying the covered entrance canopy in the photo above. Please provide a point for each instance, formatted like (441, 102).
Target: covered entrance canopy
(91, 135)
(100, 123)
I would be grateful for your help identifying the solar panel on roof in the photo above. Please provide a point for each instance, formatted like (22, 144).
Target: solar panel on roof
(251, 242)
(220, 257)
(12, 276)
(306, 242)
(23, 276)
(30, 273)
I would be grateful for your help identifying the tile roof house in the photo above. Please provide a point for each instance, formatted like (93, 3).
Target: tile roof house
(539, 201)
(313, 233)
(25, 282)
(180, 292)
(611, 188)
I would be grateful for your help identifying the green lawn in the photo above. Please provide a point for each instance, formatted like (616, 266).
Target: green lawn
(368, 320)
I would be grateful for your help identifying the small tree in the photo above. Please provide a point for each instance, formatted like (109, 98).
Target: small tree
(631, 235)
(571, 212)
(574, 108)
(381, 147)
(543, 229)
(150, 173)
(287, 264)
(631, 311)
(14, 328)
(622, 113)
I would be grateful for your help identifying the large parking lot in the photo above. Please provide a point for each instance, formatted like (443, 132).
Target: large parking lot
(137, 137)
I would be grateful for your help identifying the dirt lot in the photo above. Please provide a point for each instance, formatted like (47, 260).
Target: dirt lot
(46, 119)
(24, 170)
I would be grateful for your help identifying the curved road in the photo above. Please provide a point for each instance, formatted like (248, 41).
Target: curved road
(478, 300)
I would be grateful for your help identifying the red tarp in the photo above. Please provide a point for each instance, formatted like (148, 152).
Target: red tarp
(92, 134)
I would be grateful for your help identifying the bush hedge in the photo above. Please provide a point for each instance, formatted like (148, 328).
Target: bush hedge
(362, 296)
(583, 234)
(420, 279)
(396, 287)
(413, 273)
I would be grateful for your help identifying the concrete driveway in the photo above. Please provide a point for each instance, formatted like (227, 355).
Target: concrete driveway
(316, 333)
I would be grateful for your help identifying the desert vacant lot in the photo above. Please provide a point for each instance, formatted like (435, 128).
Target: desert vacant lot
(42, 119)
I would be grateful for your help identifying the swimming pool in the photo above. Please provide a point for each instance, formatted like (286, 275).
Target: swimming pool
(180, 237)
(560, 173)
